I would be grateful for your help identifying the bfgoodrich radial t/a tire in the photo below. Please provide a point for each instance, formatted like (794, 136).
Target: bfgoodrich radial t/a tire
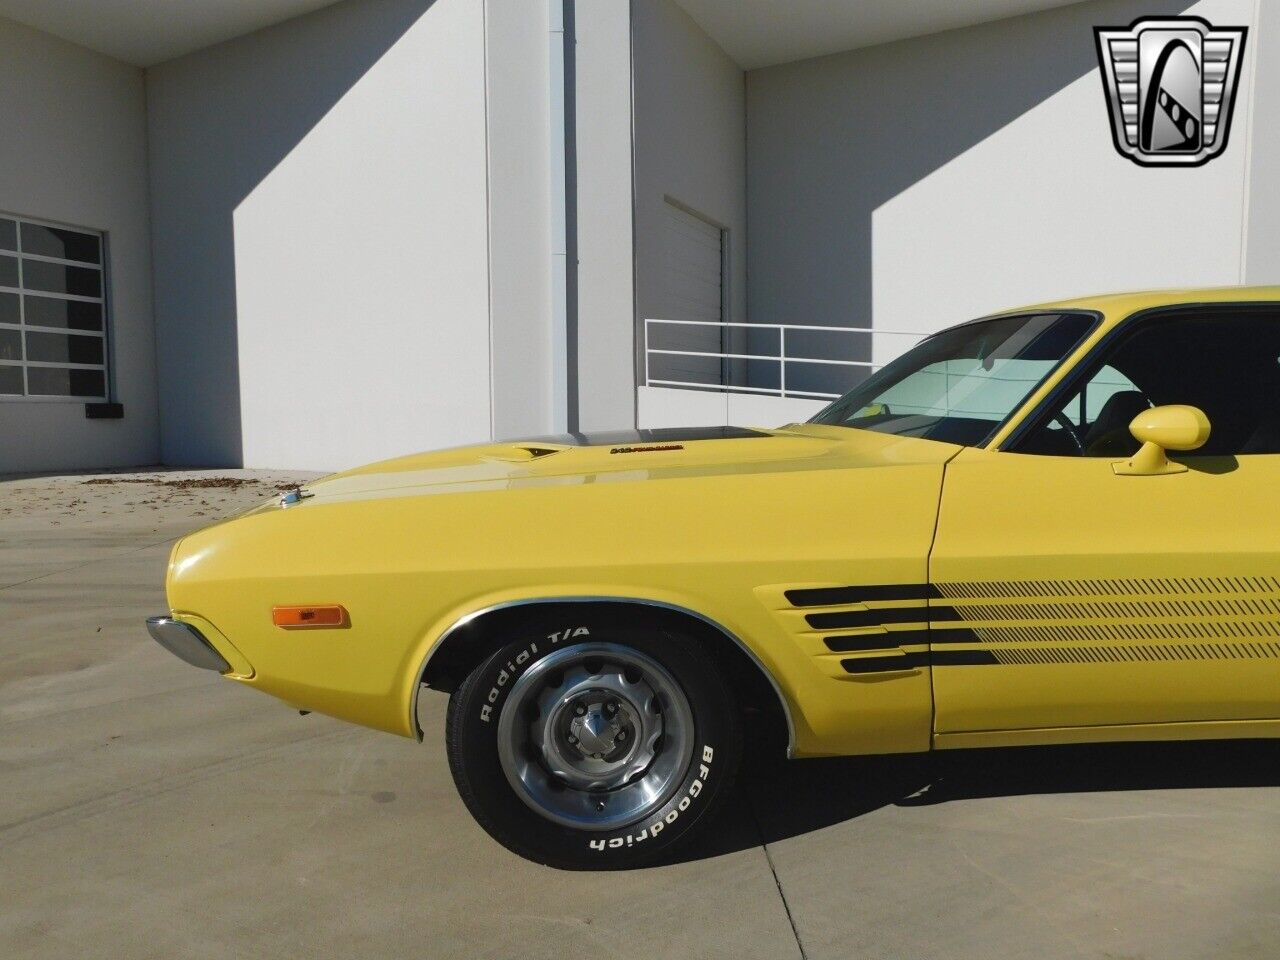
(594, 745)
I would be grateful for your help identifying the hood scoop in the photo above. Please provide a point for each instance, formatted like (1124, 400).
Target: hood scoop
(520, 453)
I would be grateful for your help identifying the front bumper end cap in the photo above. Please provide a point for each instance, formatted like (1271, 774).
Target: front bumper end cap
(187, 643)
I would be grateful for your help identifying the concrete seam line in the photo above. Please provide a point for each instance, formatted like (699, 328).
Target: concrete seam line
(90, 563)
(768, 856)
(114, 800)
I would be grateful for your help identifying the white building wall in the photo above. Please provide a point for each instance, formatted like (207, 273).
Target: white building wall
(605, 372)
(321, 238)
(921, 183)
(690, 146)
(517, 44)
(673, 407)
(74, 151)
(1262, 233)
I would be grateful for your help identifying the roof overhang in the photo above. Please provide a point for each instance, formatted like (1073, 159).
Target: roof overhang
(147, 32)
(761, 33)
(755, 33)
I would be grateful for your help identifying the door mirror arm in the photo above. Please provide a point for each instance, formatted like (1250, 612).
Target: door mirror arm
(1160, 429)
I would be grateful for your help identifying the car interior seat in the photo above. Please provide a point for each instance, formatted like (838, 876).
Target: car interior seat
(1109, 435)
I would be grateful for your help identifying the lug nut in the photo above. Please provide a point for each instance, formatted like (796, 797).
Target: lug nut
(613, 707)
(622, 734)
(571, 738)
(579, 709)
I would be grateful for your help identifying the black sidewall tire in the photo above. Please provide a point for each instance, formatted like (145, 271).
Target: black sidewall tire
(472, 741)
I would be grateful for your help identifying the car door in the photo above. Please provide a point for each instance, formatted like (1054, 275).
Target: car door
(1068, 595)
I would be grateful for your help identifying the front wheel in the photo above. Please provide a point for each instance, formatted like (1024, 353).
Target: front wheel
(596, 746)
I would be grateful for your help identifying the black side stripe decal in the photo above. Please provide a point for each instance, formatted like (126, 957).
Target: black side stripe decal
(899, 638)
(953, 635)
(876, 618)
(893, 640)
(959, 658)
(876, 641)
(831, 596)
(912, 661)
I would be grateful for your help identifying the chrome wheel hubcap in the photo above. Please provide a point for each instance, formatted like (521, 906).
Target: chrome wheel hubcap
(595, 736)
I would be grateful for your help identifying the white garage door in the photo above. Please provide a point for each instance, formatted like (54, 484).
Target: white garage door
(695, 264)
(694, 290)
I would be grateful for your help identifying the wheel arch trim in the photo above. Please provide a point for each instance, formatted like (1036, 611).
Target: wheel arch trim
(469, 618)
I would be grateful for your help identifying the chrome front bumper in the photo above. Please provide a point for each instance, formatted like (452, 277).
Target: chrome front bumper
(187, 643)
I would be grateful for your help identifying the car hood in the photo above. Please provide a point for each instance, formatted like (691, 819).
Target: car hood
(625, 457)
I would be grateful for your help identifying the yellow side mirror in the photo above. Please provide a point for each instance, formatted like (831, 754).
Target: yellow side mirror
(1174, 427)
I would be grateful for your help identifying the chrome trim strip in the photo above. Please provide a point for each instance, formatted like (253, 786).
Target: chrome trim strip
(475, 615)
(186, 643)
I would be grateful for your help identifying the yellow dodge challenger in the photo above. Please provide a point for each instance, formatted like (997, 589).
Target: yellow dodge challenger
(1057, 524)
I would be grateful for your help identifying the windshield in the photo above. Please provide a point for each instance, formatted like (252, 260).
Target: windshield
(960, 385)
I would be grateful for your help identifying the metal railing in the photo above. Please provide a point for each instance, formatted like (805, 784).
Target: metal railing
(781, 357)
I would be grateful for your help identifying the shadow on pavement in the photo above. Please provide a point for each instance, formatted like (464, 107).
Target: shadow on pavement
(777, 800)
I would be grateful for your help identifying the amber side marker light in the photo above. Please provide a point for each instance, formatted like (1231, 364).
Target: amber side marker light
(329, 615)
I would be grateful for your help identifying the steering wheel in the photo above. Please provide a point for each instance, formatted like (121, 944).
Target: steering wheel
(1072, 430)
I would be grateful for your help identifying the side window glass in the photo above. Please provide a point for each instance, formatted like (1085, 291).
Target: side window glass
(1105, 384)
(1224, 361)
(1094, 422)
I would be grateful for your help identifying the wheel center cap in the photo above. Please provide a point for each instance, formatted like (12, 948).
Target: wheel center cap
(596, 730)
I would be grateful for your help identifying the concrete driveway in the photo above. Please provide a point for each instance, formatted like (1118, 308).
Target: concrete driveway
(151, 810)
